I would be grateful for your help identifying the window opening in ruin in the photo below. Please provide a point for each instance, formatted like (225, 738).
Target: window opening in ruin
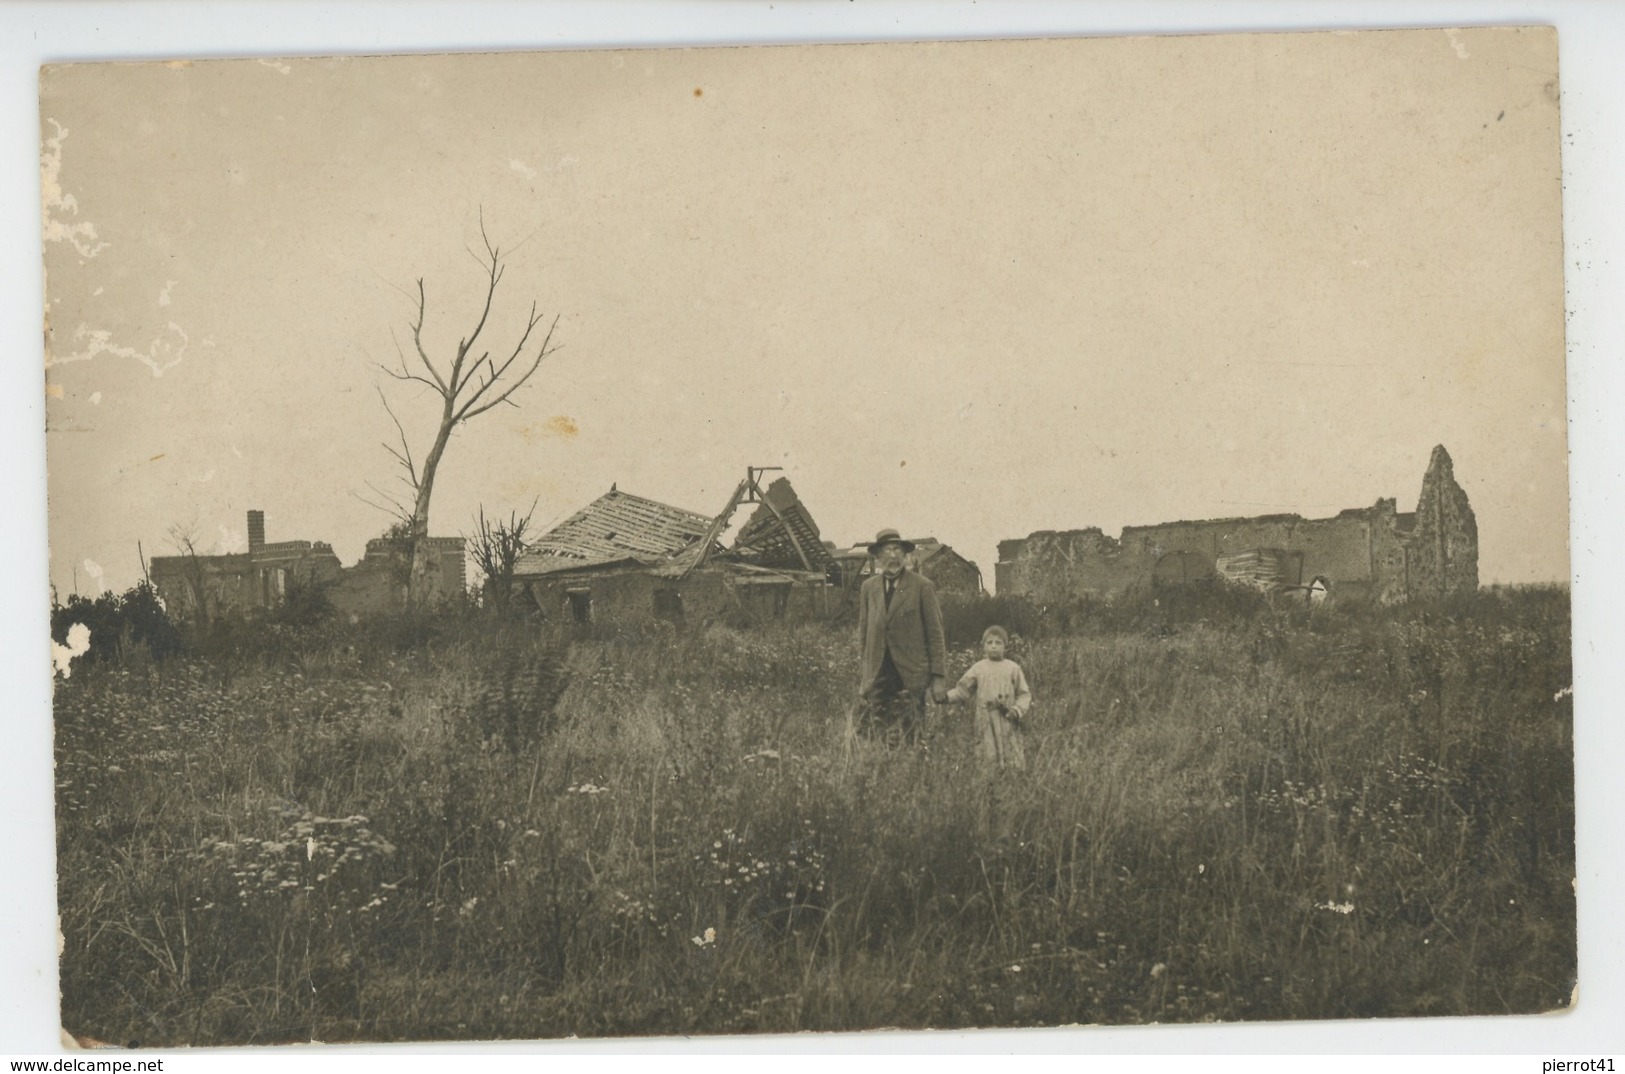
(580, 604)
(273, 586)
(669, 605)
(781, 600)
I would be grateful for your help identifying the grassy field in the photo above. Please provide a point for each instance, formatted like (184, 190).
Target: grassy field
(1234, 812)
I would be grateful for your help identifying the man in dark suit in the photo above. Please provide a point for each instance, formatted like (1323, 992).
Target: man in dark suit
(901, 641)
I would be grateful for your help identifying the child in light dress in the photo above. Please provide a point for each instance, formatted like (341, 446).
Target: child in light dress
(1001, 698)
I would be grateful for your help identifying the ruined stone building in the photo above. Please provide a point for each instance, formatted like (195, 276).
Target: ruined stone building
(261, 577)
(378, 583)
(625, 558)
(1374, 552)
(269, 573)
(950, 572)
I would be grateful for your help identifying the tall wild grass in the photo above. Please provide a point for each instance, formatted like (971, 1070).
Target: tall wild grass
(1276, 814)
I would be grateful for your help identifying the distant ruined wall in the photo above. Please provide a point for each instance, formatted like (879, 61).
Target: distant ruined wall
(1443, 550)
(952, 574)
(378, 584)
(1355, 548)
(625, 596)
(1051, 565)
(1373, 552)
(238, 581)
(265, 575)
(705, 596)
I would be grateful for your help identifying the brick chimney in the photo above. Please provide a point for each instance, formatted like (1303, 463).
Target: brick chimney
(256, 530)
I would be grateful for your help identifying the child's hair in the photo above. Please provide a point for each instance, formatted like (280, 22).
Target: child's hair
(996, 631)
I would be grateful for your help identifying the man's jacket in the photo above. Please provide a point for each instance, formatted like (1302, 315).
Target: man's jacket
(911, 628)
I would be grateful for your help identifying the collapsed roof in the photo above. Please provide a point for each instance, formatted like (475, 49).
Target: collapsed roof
(782, 533)
(615, 527)
(622, 530)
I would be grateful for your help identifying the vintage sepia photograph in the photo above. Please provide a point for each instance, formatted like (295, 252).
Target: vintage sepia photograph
(809, 538)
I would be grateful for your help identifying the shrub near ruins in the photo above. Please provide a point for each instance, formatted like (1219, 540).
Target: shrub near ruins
(122, 625)
(1344, 812)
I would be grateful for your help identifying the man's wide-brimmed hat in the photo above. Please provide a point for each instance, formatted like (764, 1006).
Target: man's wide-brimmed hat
(886, 537)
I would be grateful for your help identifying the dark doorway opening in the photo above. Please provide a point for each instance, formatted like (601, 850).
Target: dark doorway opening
(669, 605)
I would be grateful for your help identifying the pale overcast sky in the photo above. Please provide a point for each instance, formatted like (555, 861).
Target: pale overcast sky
(969, 290)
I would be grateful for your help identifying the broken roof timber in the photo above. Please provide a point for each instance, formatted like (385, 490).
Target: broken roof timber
(617, 525)
(782, 531)
(620, 530)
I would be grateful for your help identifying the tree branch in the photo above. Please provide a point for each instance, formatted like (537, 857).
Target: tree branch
(408, 376)
(496, 548)
(406, 458)
(469, 410)
(474, 381)
(465, 345)
(390, 506)
(417, 339)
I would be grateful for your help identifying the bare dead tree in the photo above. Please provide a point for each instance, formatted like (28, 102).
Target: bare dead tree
(183, 538)
(467, 386)
(496, 547)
